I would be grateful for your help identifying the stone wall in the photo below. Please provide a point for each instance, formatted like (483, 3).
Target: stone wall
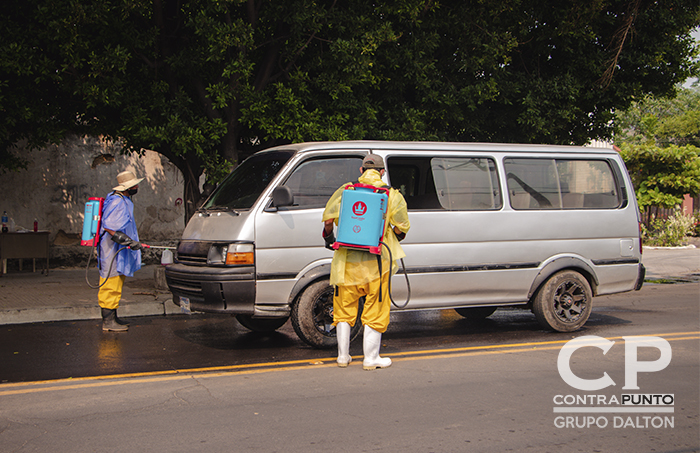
(59, 180)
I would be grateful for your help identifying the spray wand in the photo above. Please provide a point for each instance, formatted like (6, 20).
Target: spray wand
(111, 263)
(146, 246)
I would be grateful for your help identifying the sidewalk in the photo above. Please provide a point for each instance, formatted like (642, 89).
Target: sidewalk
(672, 263)
(64, 294)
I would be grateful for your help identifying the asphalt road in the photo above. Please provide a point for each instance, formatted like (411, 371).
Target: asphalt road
(72, 349)
(206, 384)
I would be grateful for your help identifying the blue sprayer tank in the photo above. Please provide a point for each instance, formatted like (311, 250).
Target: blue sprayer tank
(362, 217)
(91, 221)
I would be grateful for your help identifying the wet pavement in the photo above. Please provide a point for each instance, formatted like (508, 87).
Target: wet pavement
(177, 344)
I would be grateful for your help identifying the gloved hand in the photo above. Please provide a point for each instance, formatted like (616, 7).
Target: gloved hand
(400, 236)
(329, 238)
(122, 239)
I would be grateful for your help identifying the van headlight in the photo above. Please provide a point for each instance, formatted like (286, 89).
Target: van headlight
(231, 254)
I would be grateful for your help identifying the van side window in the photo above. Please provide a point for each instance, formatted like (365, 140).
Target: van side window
(446, 183)
(314, 181)
(413, 177)
(466, 184)
(561, 184)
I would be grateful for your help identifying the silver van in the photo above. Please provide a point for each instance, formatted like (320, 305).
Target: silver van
(492, 225)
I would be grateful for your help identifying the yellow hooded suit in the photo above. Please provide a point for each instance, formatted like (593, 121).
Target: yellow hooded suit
(355, 273)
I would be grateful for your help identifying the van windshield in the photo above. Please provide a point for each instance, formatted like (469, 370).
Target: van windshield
(243, 186)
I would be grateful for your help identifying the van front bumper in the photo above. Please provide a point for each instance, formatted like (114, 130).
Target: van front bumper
(213, 289)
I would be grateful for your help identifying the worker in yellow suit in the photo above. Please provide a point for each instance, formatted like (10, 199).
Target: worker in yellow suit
(355, 273)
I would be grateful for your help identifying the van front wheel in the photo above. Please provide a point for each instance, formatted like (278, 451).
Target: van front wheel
(312, 317)
(563, 303)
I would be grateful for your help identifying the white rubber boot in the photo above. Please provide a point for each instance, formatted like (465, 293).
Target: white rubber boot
(342, 333)
(370, 344)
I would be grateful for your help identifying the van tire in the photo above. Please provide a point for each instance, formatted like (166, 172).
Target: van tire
(312, 316)
(261, 324)
(476, 313)
(564, 302)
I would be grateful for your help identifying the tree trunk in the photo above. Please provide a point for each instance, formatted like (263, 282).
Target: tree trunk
(191, 194)
(229, 144)
(191, 168)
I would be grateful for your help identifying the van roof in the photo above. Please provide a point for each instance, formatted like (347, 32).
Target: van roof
(440, 146)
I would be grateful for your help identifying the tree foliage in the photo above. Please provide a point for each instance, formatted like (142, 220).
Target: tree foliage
(662, 121)
(659, 139)
(207, 82)
(662, 176)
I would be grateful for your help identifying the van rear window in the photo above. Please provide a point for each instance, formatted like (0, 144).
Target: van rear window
(561, 184)
(245, 183)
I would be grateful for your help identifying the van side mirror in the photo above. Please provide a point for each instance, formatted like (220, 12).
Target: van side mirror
(282, 196)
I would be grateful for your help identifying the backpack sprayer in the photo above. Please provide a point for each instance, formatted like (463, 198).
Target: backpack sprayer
(361, 225)
(90, 238)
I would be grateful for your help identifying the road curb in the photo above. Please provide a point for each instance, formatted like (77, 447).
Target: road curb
(86, 312)
(683, 247)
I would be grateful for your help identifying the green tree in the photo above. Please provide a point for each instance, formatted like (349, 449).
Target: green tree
(532, 71)
(203, 82)
(659, 139)
(662, 121)
(207, 82)
(662, 176)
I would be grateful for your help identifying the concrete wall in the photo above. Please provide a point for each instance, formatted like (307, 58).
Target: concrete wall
(60, 179)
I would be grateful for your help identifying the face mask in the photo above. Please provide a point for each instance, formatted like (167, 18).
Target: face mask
(132, 191)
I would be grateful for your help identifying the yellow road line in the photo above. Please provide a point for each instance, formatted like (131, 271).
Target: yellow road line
(266, 367)
(539, 343)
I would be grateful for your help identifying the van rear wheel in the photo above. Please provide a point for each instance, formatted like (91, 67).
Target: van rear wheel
(563, 303)
(312, 317)
(261, 324)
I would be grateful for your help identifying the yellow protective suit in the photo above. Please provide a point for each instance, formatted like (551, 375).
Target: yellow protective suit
(355, 273)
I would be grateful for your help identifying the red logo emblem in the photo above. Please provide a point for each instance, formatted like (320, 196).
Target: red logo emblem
(356, 228)
(359, 208)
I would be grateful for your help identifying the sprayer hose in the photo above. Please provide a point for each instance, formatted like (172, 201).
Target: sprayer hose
(111, 263)
(408, 284)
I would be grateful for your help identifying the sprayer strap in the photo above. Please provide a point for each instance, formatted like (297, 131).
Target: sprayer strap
(102, 233)
(379, 264)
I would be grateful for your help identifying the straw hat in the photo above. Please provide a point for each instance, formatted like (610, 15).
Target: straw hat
(126, 180)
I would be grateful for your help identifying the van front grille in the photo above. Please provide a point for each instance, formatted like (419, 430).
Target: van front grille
(185, 287)
(192, 260)
(193, 253)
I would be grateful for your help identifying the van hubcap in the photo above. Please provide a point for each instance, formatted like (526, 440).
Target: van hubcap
(569, 302)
